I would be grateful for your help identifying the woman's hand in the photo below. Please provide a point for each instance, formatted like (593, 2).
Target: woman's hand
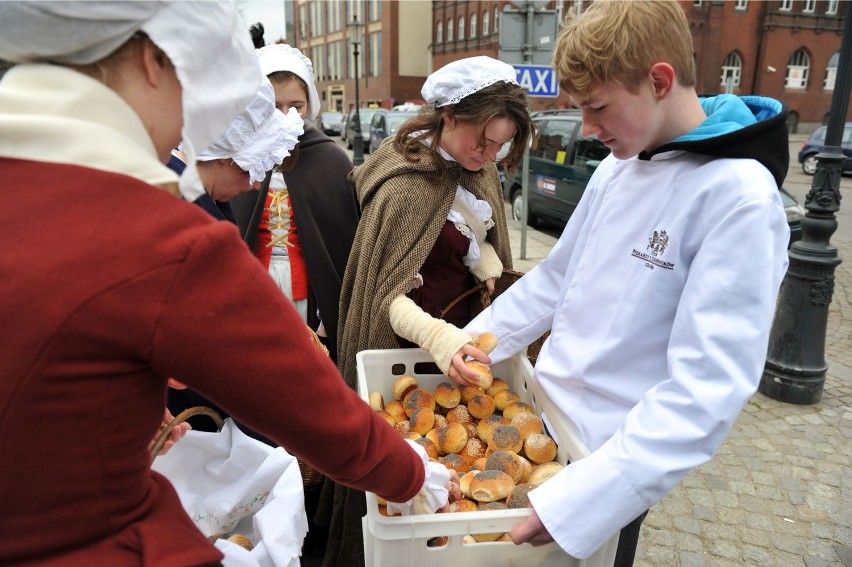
(532, 531)
(175, 434)
(489, 285)
(460, 373)
(454, 488)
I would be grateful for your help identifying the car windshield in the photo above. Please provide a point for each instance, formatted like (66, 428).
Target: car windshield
(397, 120)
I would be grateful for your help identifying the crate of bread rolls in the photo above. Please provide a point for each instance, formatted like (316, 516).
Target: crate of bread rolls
(476, 534)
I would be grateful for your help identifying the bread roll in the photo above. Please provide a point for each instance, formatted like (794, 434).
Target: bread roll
(515, 408)
(539, 448)
(474, 449)
(387, 417)
(519, 497)
(437, 541)
(468, 391)
(470, 427)
(528, 467)
(418, 398)
(412, 435)
(479, 464)
(506, 437)
(481, 406)
(440, 420)
(459, 414)
(490, 486)
(482, 371)
(455, 462)
(487, 425)
(505, 397)
(464, 505)
(449, 439)
(528, 423)
(242, 541)
(377, 401)
(508, 462)
(464, 482)
(486, 342)
(403, 385)
(429, 445)
(492, 536)
(395, 409)
(542, 473)
(497, 385)
(447, 395)
(402, 427)
(422, 421)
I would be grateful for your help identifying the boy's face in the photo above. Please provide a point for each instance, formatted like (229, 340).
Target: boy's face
(626, 122)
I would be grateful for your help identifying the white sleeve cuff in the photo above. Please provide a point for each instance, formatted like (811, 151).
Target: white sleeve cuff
(434, 493)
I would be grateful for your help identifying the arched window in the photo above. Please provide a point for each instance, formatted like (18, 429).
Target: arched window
(439, 33)
(485, 16)
(732, 69)
(797, 70)
(473, 25)
(496, 19)
(831, 71)
(461, 27)
(450, 29)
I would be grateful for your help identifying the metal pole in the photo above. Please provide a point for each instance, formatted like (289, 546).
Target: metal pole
(525, 164)
(795, 365)
(358, 142)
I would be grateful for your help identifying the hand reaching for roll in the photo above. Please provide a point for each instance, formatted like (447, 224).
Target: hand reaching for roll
(476, 370)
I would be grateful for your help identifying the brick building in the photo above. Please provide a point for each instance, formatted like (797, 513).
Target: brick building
(785, 49)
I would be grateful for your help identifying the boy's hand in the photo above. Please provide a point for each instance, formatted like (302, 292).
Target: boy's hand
(532, 531)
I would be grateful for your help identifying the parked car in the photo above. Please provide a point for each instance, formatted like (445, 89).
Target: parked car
(366, 117)
(330, 122)
(343, 127)
(386, 124)
(559, 168)
(562, 164)
(814, 143)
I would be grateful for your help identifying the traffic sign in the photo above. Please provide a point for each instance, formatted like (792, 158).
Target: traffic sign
(538, 80)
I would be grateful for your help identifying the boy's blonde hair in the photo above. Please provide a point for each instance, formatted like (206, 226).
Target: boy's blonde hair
(619, 40)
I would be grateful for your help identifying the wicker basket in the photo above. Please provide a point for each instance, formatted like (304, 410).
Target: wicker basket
(483, 300)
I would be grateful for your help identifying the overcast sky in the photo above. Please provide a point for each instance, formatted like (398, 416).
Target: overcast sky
(269, 12)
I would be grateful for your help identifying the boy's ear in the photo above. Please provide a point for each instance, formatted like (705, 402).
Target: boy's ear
(662, 79)
(154, 62)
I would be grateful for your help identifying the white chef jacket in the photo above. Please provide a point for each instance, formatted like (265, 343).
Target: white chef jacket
(660, 294)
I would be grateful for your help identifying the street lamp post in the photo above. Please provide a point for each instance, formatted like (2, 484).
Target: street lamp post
(795, 365)
(358, 143)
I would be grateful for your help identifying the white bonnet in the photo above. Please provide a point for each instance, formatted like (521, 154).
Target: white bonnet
(212, 55)
(260, 137)
(283, 57)
(459, 79)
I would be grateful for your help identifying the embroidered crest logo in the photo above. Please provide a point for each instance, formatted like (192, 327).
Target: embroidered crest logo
(658, 242)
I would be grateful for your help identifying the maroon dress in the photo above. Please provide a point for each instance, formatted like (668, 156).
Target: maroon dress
(445, 277)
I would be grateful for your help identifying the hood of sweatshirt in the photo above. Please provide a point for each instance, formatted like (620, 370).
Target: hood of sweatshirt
(750, 127)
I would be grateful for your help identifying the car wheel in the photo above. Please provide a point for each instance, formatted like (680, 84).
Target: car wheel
(517, 210)
(809, 164)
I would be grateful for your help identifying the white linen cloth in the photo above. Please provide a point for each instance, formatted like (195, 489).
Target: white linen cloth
(231, 483)
(660, 294)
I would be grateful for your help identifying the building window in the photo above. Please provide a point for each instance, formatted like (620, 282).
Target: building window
(450, 30)
(831, 72)
(461, 27)
(741, 5)
(797, 70)
(375, 10)
(334, 17)
(335, 61)
(698, 3)
(485, 16)
(355, 11)
(831, 7)
(376, 54)
(318, 59)
(303, 21)
(577, 8)
(316, 19)
(786, 5)
(496, 19)
(473, 25)
(810, 6)
(731, 71)
(439, 33)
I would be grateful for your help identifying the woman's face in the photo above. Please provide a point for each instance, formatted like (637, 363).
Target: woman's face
(462, 140)
(289, 93)
(224, 179)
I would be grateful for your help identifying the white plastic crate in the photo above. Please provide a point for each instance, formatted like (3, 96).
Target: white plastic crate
(401, 540)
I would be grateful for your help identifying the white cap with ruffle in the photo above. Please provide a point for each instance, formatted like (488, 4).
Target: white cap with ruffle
(459, 79)
(283, 57)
